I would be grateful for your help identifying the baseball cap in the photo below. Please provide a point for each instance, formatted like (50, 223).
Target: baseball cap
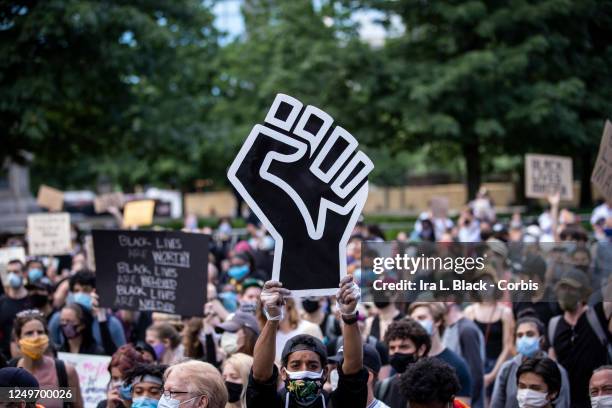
(371, 358)
(17, 377)
(304, 342)
(252, 282)
(574, 278)
(238, 321)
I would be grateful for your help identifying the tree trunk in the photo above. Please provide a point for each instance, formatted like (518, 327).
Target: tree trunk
(586, 165)
(471, 154)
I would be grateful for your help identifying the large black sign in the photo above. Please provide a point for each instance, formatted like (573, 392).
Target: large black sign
(152, 270)
(307, 181)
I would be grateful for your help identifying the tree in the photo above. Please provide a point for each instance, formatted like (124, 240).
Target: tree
(115, 88)
(500, 76)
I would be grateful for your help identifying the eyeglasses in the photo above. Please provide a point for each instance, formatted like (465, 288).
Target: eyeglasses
(172, 394)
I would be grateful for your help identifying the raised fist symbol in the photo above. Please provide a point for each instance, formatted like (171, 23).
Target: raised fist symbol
(306, 181)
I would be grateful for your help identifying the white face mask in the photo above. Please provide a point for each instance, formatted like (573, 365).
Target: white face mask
(167, 402)
(333, 379)
(531, 398)
(602, 401)
(229, 342)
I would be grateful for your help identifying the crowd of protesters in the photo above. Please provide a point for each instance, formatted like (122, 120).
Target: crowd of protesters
(256, 346)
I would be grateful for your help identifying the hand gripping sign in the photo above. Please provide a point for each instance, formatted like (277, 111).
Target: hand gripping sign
(307, 182)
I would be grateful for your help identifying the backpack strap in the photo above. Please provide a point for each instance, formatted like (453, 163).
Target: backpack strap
(382, 388)
(599, 331)
(552, 328)
(62, 375)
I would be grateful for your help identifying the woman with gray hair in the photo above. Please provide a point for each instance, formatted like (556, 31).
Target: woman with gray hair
(193, 384)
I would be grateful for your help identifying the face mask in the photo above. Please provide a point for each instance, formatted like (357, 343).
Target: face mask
(531, 398)
(34, 348)
(427, 325)
(238, 272)
(304, 386)
(229, 342)
(35, 274)
(15, 281)
(267, 243)
(125, 391)
(159, 349)
(333, 379)
(401, 361)
(603, 401)
(234, 391)
(167, 402)
(381, 304)
(69, 331)
(38, 301)
(83, 299)
(144, 402)
(310, 306)
(229, 300)
(248, 306)
(528, 346)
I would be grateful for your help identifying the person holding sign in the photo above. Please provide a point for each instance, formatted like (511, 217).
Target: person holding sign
(304, 358)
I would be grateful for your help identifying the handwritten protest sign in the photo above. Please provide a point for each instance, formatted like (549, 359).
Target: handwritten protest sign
(309, 202)
(602, 172)
(138, 213)
(50, 198)
(93, 375)
(7, 255)
(160, 271)
(49, 234)
(545, 175)
(104, 201)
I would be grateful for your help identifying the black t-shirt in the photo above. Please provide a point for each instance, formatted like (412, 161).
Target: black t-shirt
(580, 352)
(9, 308)
(352, 392)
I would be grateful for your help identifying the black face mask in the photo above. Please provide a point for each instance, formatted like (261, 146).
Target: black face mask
(310, 306)
(38, 301)
(233, 391)
(381, 304)
(401, 361)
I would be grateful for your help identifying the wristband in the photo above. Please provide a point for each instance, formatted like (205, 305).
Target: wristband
(350, 319)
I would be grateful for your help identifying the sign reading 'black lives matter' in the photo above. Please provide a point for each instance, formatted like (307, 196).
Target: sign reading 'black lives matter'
(152, 270)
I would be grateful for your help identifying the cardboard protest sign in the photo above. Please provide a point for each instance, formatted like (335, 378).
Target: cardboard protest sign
(49, 234)
(602, 172)
(160, 271)
(138, 213)
(93, 375)
(309, 202)
(439, 206)
(50, 198)
(7, 255)
(104, 201)
(545, 175)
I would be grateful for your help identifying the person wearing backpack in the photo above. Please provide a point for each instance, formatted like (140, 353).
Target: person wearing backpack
(579, 339)
(30, 331)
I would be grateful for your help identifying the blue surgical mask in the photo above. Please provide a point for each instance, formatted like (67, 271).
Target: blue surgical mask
(528, 346)
(125, 392)
(144, 402)
(83, 299)
(238, 272)
(427, 325)
(35, 274)
(267, 243)
(14, 280)
(229, 300)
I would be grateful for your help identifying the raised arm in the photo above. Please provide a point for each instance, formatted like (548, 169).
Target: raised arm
(272, 300)
(348, 297)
